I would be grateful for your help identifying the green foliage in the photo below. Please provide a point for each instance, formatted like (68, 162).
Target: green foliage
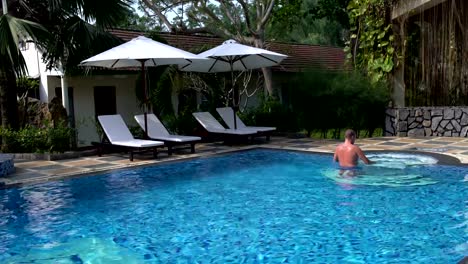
(271, 112)
(12, 29)
(372, 40)
(26, 85)
(314, 22)
(32, 139)
(133, 21)
(334, 10)
(325, 100)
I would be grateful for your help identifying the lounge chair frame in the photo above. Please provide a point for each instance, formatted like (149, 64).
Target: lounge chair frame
(165, 135)
(122, 137)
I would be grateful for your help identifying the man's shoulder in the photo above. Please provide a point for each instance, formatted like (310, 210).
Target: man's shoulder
(339, 146)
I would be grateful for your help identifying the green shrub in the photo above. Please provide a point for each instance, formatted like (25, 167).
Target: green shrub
(32, 139)
(324, 100)
(270, 112)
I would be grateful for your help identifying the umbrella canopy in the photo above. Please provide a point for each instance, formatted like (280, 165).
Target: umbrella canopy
(141, 52)
(133, 52)
(232, 56)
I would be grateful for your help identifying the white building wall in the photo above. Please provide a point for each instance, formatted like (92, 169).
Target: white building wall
(84, 109)
(83, 93)
(37, 69)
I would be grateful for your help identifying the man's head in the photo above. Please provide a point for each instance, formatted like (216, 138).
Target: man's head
(350, 135)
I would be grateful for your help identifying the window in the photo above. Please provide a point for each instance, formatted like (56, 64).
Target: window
(104, 100)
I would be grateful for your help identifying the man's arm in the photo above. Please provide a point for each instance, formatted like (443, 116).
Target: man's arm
(362, 156)
(335, 157)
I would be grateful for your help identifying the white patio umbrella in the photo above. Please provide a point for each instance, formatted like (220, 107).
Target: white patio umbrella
(232, 56)
(141, 52)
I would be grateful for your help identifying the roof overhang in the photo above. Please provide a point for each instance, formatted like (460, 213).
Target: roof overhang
(413, 7)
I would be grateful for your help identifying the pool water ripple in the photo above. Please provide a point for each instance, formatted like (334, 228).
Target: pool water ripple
(258, 206)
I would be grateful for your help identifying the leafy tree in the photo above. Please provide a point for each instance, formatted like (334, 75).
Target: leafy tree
(133, 21)
(244, 21)
(371, 47)
(12, 63)
(322, 22)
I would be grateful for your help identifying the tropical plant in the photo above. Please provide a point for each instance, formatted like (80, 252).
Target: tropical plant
(47, 138)
(372, 40)
(60, 27)
(325, 101)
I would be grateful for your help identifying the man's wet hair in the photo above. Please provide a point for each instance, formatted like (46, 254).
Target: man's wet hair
(349, 134)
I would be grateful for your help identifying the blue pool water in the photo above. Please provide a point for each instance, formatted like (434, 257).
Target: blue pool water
(259, 206)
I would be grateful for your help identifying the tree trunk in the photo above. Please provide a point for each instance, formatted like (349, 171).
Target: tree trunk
(8, 103)
(8, 100)
(267, 74)
(268, 78)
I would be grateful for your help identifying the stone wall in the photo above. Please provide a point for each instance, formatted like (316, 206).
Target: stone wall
(7, 165)
(427, 121)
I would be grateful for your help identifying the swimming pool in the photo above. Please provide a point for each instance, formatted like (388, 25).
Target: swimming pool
(259, 206)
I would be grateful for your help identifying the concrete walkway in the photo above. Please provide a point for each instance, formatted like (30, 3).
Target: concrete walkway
(40, 171)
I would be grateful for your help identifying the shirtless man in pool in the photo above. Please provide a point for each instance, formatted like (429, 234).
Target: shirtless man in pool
(347, 154)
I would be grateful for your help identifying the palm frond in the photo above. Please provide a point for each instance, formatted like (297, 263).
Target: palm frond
(12, 31)
(74, 41)
(104, 13)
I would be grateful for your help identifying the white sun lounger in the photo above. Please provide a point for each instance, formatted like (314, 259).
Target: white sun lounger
(118, 134)
(157, 131)
(227, 114)
(213, 126)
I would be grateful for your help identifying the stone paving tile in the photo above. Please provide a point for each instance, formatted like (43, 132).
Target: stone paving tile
(31, 164)
(83, 163)
(365, 141)
(382, 138)
(437, 142)
(65, 171)
(407, 140)
(19, 170)
(50, 167)
(392, 143)
(24, 175)
(452, 139)
(461, 144)
(99, 165)
(111, 158)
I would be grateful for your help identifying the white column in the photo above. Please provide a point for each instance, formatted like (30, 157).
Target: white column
(4, 7)
(65, 102)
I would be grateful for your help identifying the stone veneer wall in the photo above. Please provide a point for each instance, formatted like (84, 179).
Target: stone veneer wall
(427, 121)
(7, 165)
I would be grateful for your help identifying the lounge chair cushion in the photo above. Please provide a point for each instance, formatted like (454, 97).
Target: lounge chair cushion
(157, 130)
(118, 134)
(213, 126)
(227, 114)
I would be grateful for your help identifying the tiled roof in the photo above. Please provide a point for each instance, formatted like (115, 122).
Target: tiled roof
(300, 56)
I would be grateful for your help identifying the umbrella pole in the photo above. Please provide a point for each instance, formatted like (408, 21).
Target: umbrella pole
(145, 95)
(234, 95)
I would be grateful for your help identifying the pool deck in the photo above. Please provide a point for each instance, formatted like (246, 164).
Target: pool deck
(28, 172)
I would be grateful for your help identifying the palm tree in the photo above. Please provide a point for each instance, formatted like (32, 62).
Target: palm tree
(62, 28)
(12, 63)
